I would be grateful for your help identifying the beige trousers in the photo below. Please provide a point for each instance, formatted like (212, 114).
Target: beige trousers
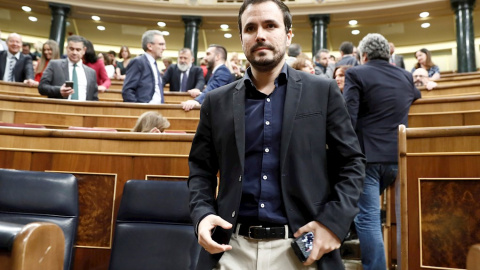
(250, 254)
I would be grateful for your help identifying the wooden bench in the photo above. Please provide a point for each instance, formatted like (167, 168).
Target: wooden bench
(439, 189)
(102, 163)
(111, 95)
(457, 89)
(439, 119)
(444, 104)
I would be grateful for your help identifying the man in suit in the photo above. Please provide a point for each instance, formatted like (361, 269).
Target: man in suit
(347, 53)
(396, 60)
(14, 66)
(378, 97)
(267, 134)
(216, 56)
(324, 66)
(143, 82)
(58, 72)
(184, 76)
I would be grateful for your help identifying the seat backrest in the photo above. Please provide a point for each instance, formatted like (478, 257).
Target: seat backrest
(29, 196)
(153, 228)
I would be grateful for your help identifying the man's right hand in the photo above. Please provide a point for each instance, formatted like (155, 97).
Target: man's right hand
(194, 92)
(189, 104)
(66, 91)
(204, 232)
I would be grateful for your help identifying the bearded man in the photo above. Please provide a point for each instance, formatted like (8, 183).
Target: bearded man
(184, 76)
(267, 136)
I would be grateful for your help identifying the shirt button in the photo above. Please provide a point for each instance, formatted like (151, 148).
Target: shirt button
(268, 99)
(262, 205)
(267, 150)
(233, 214)
(240, 179)
(265, 177)
(267, 123)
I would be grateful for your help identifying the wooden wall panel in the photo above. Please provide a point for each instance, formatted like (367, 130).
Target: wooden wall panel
(144, 166)
(15, 160)
(419, 167)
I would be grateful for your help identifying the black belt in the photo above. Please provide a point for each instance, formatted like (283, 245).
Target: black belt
(260, 232)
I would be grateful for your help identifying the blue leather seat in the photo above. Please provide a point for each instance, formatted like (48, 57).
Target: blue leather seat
(29, 196)
(153, 228)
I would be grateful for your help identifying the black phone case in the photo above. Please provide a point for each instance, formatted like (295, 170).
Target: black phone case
(302, 246)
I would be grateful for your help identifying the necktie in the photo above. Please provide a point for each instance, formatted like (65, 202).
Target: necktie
(160, 85)
(74, 96)
(13, 61)
(183, 87)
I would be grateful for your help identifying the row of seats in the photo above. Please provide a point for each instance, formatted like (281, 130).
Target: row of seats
(149, 232)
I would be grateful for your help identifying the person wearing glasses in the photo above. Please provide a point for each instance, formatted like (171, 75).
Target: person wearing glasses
(143, 82)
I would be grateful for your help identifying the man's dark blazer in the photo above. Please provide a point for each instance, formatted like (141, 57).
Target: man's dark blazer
(378, 97)
(220, 77)
(56, 74)
(22, 70)
(195, 78)
(314, 116)
(139, 84)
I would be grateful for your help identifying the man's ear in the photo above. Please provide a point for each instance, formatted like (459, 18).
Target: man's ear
(289, 37)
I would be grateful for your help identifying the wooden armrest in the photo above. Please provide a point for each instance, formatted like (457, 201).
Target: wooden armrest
(473, 258)
(39, 245)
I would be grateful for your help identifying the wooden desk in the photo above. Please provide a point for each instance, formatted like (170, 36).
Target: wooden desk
(102, 162)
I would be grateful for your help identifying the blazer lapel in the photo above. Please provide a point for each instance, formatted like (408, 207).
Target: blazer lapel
(239, 119)
(3, 63)
(65, 70)
(292, 100)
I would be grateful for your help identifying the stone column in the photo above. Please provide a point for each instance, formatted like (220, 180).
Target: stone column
(59, 23)
(465, 38)
(319, 31)
(192, 23)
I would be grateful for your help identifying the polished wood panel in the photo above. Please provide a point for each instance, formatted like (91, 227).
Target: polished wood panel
(456, 89)
(446, 104)
(103, 162)
(438, 171)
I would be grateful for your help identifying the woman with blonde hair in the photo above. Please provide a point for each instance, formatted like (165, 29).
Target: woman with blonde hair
(49, 51)
(152, 122)
(303, 63)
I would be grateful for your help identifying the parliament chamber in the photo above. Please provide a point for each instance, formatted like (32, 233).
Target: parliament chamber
(439, 178)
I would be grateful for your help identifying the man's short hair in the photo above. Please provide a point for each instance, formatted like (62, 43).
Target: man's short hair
(375, 46)
(76, 39)
(26, 44)
(317, 56)
(219, 49)
(287, 17)
(346, 47)
(112, 53)
(148, 37)
(184, 50)
(294, 50)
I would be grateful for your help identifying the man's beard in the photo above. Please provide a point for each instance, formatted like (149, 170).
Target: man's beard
(182, 67)
(419, 83)
(210, 64)
(265, 64)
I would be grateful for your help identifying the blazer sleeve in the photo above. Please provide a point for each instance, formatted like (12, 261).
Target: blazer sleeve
(203, 164)
(102, 74)
(132, 78)
(46, 87)
(199, 79)
(28, 68)
(167, 76)
(351, 93)
(91, 83)
(346, 160)
(221, 77)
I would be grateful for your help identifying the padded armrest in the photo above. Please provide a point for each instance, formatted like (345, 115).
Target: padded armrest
(8, 231)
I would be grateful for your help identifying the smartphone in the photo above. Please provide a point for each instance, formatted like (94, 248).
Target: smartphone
(69, 84)
(303, 245)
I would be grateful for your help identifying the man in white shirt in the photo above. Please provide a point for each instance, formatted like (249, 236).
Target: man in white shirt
(58, 72)
(14, 66)
(143, 82)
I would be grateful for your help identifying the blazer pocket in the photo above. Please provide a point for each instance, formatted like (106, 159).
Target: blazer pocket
(308, 114)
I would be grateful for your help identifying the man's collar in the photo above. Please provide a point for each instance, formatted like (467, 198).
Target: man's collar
(150, 58)
(70, 63)
(17, 55)
(281, 79)
(215, 68)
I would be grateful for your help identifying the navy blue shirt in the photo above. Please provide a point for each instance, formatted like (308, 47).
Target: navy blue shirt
(261, 192)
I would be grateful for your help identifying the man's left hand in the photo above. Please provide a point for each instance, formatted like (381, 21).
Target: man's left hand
(324, 240)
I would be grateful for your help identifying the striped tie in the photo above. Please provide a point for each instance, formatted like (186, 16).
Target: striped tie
(13, 61)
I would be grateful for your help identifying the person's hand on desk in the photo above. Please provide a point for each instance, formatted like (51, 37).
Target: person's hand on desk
(31, 83)
(324, 240)
(194, 92)
(189, 104)
(205, 228)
